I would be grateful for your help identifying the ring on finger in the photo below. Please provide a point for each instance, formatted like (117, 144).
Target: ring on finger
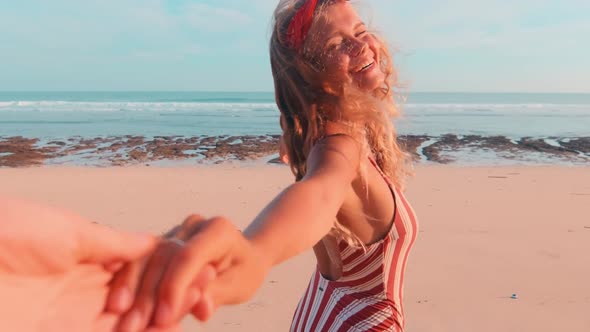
(177, 241)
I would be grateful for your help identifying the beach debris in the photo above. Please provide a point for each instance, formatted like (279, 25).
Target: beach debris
(514, 296)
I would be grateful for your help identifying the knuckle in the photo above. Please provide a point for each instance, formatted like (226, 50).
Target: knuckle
(221, 223)
(191, 225)
(192, 219)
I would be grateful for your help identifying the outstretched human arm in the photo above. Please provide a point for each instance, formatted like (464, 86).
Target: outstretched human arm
(292, 223)
(305, 212)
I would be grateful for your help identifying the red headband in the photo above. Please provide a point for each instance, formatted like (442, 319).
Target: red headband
(300, 24)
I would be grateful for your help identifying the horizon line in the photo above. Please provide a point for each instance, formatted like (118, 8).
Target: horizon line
(271, 91)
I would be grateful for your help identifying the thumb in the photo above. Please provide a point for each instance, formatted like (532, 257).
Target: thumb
(99, 244)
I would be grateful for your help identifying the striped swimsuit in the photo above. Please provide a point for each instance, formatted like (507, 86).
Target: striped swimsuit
(369, 294)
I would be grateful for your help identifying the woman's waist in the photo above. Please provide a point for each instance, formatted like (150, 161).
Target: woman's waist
(371, 293)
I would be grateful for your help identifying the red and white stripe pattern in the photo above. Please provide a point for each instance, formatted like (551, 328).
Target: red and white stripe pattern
(369, 295)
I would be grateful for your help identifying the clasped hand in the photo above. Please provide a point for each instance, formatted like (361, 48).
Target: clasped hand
(61, 272)
(195, 268)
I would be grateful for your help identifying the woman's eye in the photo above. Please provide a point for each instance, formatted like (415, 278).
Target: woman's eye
(334, 45)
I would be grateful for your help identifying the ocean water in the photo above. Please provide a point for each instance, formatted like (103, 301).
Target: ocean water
(58, 115)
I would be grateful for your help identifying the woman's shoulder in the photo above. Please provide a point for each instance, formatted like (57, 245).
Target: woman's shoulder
(337, 152)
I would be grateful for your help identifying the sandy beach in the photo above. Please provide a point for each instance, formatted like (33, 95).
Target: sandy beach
(486, 233)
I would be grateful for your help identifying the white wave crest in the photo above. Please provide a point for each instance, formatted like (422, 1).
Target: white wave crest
(65, 106)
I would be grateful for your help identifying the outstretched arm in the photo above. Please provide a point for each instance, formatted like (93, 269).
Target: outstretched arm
(305, 212)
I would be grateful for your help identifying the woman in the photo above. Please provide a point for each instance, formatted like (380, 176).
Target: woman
(333, 83)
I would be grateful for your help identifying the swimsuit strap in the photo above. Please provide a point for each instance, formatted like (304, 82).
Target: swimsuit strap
(385, 177)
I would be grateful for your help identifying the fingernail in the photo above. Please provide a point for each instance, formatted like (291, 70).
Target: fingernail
(122, 298)
(132, 321)
(192, 297)
(163, 313)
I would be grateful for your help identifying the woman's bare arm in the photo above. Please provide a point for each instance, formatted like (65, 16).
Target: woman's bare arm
(304, 212)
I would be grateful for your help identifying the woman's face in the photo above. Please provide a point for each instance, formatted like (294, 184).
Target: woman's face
(347, 52)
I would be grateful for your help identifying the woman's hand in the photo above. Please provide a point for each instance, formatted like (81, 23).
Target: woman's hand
(133, 289)
(216, 265)
(240, 268)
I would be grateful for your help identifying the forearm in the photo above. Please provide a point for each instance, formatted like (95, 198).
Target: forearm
(295, 220)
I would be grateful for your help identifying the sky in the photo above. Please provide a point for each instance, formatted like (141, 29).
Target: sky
(222, 45)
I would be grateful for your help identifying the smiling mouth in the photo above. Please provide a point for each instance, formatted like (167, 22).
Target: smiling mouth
(365, 67)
